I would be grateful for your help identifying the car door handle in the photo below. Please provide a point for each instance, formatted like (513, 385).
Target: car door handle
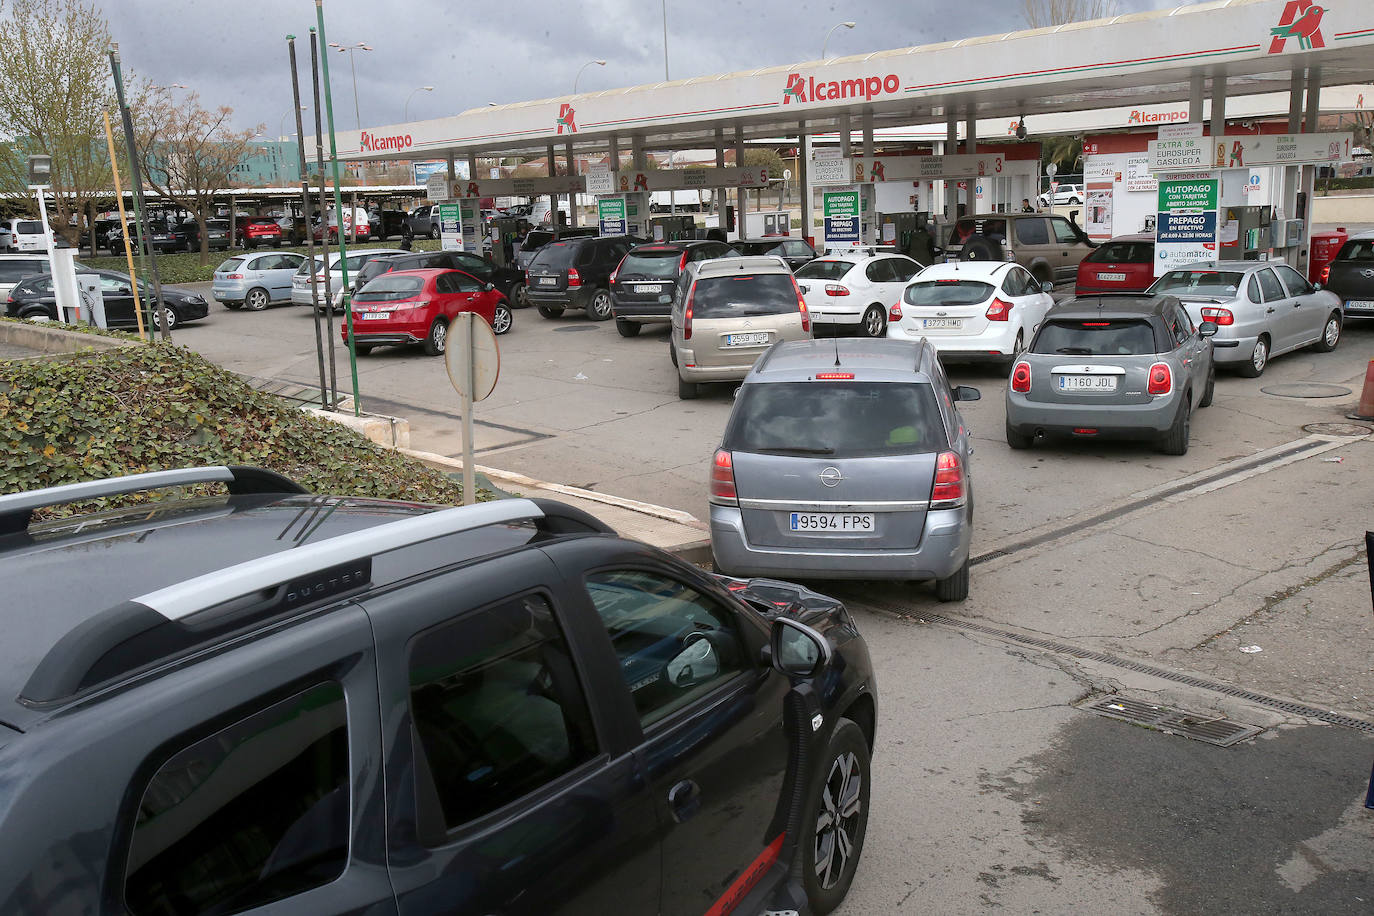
(1269, 311)
(684, 799)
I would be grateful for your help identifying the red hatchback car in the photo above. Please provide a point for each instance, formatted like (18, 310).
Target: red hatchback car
(415, 307)
(258, 230)
(1126, 264)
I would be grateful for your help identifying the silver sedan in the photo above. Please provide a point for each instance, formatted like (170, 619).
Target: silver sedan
(1262, 309)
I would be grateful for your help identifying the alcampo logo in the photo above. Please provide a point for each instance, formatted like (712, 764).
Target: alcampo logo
(372, 143)
(567, 118)
(802, 89)
(1140, 116)
(1301, 19)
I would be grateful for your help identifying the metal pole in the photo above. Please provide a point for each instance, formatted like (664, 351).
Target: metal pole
(338, 207)
(136, 179)
(320, 340)
(665, 41)
(123, 228)
(324, 219)
(469, 472)
(354, 68)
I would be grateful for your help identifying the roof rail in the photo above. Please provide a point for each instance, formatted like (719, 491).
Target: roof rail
(16, 509)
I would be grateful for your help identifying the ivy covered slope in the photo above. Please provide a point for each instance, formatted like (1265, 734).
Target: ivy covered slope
(148, 408)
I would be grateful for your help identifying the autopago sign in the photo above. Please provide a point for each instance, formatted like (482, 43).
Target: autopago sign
(1186, 224)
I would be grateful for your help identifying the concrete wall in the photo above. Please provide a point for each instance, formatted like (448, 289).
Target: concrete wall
(1343, 208)
(51, 338)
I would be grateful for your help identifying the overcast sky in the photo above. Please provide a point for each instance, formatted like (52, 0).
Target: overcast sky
(475, 53)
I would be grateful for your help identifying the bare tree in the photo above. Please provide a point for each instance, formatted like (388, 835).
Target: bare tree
(1044, 13)
(189, 152)
(56, 86)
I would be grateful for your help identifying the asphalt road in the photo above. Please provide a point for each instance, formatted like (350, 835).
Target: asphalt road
(1103, 570)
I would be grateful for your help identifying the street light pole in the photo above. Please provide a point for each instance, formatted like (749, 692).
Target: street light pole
(360, 46)
(665, 41)
(847, 25)
(406, 109)
(599, 63)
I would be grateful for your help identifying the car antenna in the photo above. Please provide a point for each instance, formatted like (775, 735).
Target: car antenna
(837, 350)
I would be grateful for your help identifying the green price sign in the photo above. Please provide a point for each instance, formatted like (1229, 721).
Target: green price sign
(1198, 194)
(840, 204)
(611, 208)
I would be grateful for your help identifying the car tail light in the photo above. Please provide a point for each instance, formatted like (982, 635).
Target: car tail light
(834, 376)
(948, 490)
(1217, 316)
(801, 306)
(234, 277)
(999, 310)
(835, 289)
(574, 278)
(1021, 378)
(723, 479)
(895, 313)
(687, 315)
(1161, 379)
(682, 262)
(1326, 273)
(617, 268)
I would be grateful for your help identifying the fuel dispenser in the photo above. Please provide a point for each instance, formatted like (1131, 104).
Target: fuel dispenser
(1246, 233)
(779, 223)
(503, 233)
(672, 228)
(895, 229)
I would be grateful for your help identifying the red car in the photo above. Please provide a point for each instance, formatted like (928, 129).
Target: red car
(258, 230)
(415, 307)
(1126, 264)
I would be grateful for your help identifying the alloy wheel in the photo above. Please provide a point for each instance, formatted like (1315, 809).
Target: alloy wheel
(1260, 357)
(1333, 332)
(501, 320)
(875, 322)
(841, 805)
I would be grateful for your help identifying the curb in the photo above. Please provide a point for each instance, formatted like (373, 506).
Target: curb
(50, 340)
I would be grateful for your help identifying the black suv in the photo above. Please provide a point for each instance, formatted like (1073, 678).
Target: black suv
(576, 274)
(536, 239)
(508, 280)
(642, 286)
(326, 705)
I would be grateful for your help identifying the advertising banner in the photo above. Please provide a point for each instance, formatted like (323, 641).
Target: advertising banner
(610, 214)
(1248, 151)
(1138, 176)
(831, 171)
(1186, 223)
(841, 209)
(450, 228)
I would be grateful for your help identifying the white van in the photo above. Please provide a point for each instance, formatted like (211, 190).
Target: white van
(684, 201)
(25, 235)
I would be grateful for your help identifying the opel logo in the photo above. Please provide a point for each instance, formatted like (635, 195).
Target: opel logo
(1368, 273)
(831, 477)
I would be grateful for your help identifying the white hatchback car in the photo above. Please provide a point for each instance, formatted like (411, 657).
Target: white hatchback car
(25, 235)
(974, 310)
(853, 290)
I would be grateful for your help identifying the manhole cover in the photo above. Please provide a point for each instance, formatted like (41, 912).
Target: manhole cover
(592, 327)
(1337, 429)
(1200, 727)
(1307, 390)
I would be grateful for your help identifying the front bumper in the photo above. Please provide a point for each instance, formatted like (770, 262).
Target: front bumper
(1128, 421)
(944, 548)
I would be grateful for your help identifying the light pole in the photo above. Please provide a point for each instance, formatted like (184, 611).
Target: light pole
(360, 46)
(599, 63)
(847, 25)
(281, 125)
(665, 41)
(411, 96)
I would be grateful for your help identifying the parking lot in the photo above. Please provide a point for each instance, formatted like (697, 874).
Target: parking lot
(1099, 568)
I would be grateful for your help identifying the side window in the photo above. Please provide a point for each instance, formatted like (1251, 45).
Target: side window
(498, 709)
(1297, 286)
(110, 284)
(465, 284)
(1014, 285)
(256, 812)
(291, 260)
(444, 285)
(1031, 232)
(473, 264)
(673, 644)
(1253, 289)
(796, 249)
(879, 271)
(1063, 232)
(1270, 285)
(1185, 321)
(1177, 330)
(904, 269)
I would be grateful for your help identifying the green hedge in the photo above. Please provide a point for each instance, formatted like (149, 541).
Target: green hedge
(136, 409)
(185, 267)
(1344, 184)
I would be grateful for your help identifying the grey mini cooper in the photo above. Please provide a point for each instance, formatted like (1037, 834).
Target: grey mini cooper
(1130, 367)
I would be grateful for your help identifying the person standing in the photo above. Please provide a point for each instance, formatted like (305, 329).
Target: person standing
(920, 247)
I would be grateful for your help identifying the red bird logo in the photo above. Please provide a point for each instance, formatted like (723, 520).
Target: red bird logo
(1306, 28)
(565, 119)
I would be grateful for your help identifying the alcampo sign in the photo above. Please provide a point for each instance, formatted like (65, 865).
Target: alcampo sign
(806, 89)
(372, 143)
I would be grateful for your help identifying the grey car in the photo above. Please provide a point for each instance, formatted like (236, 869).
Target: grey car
(846, 460)
(1262, 309)
(255, 281)
(1130, 367)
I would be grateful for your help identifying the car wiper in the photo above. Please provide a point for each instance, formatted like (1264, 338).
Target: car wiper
(798, 450)
(1075, 351)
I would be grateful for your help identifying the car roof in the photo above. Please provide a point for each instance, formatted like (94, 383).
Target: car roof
(869, 359)
(1132, 237)
(679, 245)
(856, 255)
(720, 267)
(964, 270)
(1228, 265)
(1111, 308)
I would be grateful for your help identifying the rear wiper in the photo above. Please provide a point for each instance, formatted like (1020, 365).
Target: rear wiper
(798, 450)
(1075, 351)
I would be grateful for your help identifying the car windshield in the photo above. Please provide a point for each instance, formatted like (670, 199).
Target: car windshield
(1357, 250)
(843, 419)
(555, 256)
(947, 292)
(824, 270)
(651, 263)
(390, 287)
(1124, 253)
(1202, 282)
(1122, 337)
(744, 295)
(230, 265)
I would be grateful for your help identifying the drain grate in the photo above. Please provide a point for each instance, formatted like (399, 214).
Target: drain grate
(1216, 730)
(1337, 429)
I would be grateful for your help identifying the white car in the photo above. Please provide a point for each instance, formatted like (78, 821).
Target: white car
(974, 310)
(1064, 195)
(853, 290)
(24, 235)
(300, 281)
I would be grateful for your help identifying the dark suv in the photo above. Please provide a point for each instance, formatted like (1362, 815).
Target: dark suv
(642, 286)
(575, 274)
(508, 280)
(536, 239)
(322, 705)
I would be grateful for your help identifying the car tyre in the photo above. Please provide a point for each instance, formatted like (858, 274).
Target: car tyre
(955, 587)
(37, 316)
(1210, 389)
(550, 311)
(434, 232)
(599, 309)
(167, 315)
(1259, 358)
(233, 306)
(257, 299)
(837, 817)
(686, 391)
(874, 322)
(978, 248)
(503, 319)
(362, 349)
(437, 338)
(1331, 334)
(627, 328)
(1017, 346)
(518, 297)
(1175, 441)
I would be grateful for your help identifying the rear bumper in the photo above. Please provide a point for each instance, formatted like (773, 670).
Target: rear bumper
(641, 311)
(688, 371)
(996, 344)
(576, 298)
(944, 548)
(1130, 421)
(1231, 350)
(229, 292)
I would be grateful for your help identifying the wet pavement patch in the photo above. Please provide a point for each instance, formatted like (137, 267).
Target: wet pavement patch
(1353, 430)
(592, 327)
(1216, 730)
(1306, 390)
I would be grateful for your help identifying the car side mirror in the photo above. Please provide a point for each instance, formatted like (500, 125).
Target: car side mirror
(796, 649)
(128, 290)
(487, 287)
(1316, 286)
(1207, 328)
(1047, 286)
(967, 393)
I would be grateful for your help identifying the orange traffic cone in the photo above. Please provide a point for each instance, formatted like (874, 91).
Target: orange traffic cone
(1366, 408)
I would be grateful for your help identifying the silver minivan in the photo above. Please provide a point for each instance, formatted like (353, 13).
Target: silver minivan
(846, 459)
(726, 312)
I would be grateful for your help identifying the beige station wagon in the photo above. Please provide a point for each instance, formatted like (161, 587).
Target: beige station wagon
(726, 312)
(1050, 247)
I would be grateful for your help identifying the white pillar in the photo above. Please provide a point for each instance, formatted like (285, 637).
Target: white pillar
(970, 146)
(741, 194)
(572, 195)
(803, 178)
(1195, 99)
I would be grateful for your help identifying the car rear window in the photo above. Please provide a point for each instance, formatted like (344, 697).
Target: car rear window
(536, 240)
(824, 270)
(556, 256)
(374, 267)
(230, 265)
(659, 263)
(12, 269)
(1124, 253)
(1124, 337)
(843, 419)
(744, 295)
(29, 227)
(946, 292)
(1357, 250)
(390, 287)
(759, 248)
(1203, 282)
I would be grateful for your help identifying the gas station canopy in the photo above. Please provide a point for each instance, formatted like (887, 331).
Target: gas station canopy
(1247, 46)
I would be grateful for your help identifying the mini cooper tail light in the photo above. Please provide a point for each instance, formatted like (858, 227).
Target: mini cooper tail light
(948, 491)
(1021, 378)
(1161, 379)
